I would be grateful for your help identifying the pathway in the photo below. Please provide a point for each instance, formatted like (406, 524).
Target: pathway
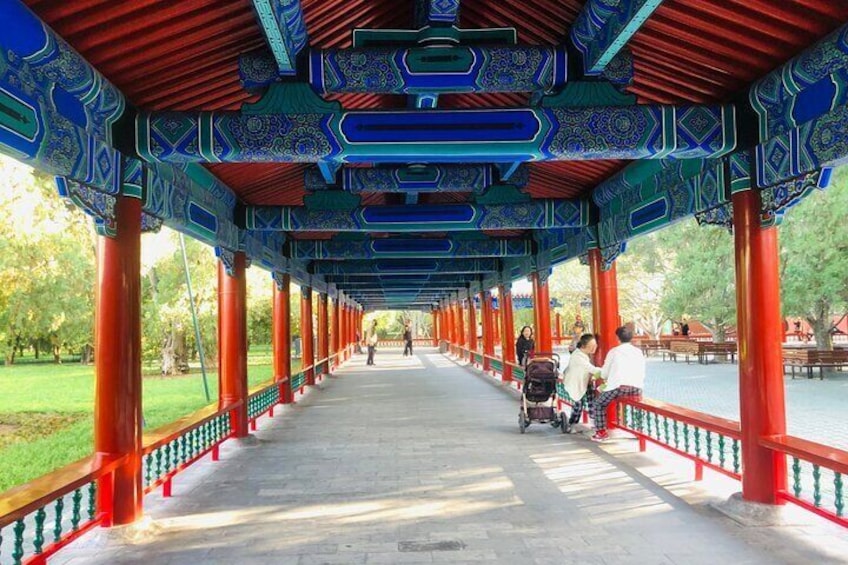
(420, 460)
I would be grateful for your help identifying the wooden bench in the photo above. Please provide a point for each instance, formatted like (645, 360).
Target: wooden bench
(701, 349)
(684, 347)
(811, 359)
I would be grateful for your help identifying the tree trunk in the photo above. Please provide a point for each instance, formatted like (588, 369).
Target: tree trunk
(35, 349)
(86, 354)
(720, 333)
(181, 350)
(57, 354)
(169, 363)
(821, 331)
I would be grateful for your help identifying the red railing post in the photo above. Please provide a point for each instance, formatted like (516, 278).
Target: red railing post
(507, 348)
(117, 338)
(306, 333)
(281, 330)
(542, 310)
(232, 338)
(762, 407)
(460, 322)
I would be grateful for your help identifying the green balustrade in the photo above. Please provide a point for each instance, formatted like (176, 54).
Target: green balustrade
(697, 432)
(709, 446)
(838, 499)
(18, 552)
(665, 430)
(38, 540)
(676, 435)
(817, 495)
(57, 523)
(76, 514)
(737, 462)
(685, 437)
(721, 454)
(92, 500)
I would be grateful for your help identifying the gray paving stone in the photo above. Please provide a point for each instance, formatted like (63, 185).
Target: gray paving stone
(421, 450)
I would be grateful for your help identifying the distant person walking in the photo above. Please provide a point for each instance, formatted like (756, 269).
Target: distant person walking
(407, 340)
(577, 379)
(372, 343)
(623, 375)
(524, 345)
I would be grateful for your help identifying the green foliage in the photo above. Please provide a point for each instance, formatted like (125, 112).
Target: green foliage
(46, 267)
(701, 280)
(643, 274)
(814, 258)
(569, 284)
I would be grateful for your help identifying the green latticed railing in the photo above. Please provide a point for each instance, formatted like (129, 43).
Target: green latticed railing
(817, 475)
(41, 517)
(298, 380)
(708, 441)
(262, 401)
(172, 448)
(478, 358)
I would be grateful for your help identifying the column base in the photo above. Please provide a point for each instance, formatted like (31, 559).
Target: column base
(249, 440)
(755, 514)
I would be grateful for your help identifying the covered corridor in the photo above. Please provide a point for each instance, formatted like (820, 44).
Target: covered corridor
(420, 460)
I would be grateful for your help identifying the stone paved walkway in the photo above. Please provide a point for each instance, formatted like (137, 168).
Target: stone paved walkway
(419, 460)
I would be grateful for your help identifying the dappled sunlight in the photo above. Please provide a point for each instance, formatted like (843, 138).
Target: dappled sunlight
(603, 490)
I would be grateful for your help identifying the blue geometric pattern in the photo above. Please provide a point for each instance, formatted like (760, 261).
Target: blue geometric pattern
(419, 178)
(421, 266)
(395, 247)
(284, 28)
(424, 70)
(603, 28)
(534, 214)
(489, 135)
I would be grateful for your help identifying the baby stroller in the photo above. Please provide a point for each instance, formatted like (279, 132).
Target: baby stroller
(538, 395)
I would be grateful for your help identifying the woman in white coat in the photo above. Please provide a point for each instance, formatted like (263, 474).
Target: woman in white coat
(576, 379)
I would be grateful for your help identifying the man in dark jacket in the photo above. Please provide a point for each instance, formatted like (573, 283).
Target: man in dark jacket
(407, 338)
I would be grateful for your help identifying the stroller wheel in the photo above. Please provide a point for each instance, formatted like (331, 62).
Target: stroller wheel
(566, 426)
(522, 423)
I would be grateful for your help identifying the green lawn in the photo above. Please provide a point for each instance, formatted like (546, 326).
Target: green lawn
(45, 411)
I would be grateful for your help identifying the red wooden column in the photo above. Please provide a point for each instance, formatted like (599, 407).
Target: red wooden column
(454, 329)
(762, 407)
(558, 329)
(542, 311)
(335, 329)
(307, 334)
(323, 333)
(604, 305)
(496, 324)
(345, 331)
(117, 364)
(232, 340)
(434, 333)
(508, 330)
(488, 327)
(472, 328)
(281, 335)
(462, 336)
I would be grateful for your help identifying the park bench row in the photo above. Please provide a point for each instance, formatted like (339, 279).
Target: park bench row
(793, 358)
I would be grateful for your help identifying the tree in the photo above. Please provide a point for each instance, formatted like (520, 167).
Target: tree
(814, 258)
(643, 274)
(46, 267)
(167, 326)
(701, 282)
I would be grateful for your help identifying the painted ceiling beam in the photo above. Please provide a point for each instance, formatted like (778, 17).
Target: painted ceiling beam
(436, 12)
(803, 113)
(425, 71)
(290, 124)
(419, 266)
(355, 281)
(285, 30)
(603, 28)
(416, 178)
(532, 214)
(56, 110)
(399, 248)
